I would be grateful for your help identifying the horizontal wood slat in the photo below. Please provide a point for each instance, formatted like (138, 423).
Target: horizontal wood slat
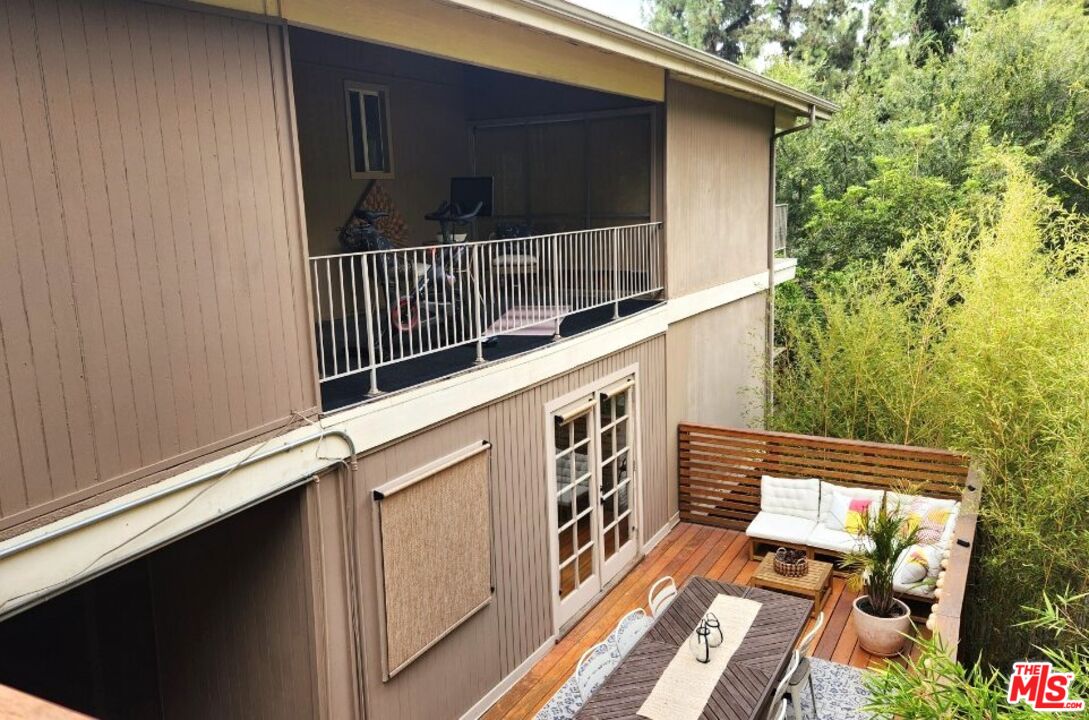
(720, 468)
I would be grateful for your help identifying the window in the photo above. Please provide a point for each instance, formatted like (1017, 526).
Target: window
(369, 138)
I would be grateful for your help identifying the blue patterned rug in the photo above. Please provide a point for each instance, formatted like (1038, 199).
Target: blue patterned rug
(839, 690)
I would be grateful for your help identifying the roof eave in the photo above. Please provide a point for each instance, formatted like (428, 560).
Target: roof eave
(702, 65)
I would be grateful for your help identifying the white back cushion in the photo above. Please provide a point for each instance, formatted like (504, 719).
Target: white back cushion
(950, 526)
(828, 492)
(790, 496)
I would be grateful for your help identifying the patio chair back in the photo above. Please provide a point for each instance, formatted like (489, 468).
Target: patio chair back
(661, 594)
(628, 631)
(781, 688)
(806, 644)
(594, 666)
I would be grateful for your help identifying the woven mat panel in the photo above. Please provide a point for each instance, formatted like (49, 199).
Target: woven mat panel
(436, 556)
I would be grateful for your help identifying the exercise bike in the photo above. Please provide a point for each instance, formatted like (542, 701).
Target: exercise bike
(440, 309)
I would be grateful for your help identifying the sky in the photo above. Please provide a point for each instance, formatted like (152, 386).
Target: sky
(625, 10)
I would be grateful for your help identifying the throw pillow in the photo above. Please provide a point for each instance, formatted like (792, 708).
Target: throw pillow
(847, 512)
(913, 568)
(929, 518)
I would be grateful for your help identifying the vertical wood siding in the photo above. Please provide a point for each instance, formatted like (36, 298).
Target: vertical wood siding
(717, 169)
(714, 373)
(459, 670)
(152, 295)
(233, 628)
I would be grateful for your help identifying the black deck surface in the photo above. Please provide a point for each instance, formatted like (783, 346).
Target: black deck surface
(342, 392)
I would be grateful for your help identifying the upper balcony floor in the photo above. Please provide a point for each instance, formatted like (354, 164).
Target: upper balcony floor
(174, 184)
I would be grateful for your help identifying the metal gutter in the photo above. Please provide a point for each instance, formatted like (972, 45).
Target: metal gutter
(93, 518)
(769, 339)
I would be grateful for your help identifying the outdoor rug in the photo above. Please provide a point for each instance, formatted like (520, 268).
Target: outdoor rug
(839, 691)
(529, 320)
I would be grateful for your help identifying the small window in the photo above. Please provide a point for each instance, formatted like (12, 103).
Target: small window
(369, 146)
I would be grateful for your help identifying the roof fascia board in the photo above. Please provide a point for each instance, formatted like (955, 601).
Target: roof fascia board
(685, 63)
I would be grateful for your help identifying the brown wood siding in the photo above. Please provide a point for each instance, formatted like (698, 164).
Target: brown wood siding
(714, 371)
(152, 298)
(717, 165)
(233, 624)
(442, 683)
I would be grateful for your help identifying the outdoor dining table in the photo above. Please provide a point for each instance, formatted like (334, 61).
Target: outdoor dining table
(745, 687)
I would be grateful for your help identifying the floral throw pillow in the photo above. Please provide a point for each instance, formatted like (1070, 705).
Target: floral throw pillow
(929, 518)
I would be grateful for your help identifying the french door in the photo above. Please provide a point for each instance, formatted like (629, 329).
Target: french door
(593, 494)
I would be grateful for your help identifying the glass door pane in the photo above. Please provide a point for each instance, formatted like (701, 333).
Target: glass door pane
(618, 545)
(575, 494)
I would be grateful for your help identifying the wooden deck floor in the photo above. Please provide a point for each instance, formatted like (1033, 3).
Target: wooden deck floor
(687, 551)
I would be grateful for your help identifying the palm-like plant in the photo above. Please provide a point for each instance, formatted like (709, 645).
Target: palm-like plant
(883, 537)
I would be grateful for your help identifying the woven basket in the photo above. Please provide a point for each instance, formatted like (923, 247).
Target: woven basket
(790, 563)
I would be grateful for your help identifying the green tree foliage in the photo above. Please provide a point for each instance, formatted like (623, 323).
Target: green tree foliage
(869, 220)
(971, 335)
(1019, 77)
(717, 26)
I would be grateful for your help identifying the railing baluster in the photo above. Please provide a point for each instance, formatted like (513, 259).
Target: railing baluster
(554, 272)
(616, 273)
(368, 308)
(321, 330)
(344, 315)
(355, 313)
(475, 301)
(332, 328)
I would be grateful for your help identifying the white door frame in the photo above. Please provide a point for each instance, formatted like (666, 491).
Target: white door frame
(550, 410)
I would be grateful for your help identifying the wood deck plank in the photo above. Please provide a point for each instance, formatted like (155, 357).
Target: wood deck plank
(688, 550)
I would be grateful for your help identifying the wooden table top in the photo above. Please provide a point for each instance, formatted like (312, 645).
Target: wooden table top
(745, 687)
(812, 581)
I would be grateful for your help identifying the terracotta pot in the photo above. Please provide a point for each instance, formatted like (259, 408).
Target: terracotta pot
(881, 636)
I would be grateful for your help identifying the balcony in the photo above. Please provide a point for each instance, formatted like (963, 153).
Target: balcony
(392, 319)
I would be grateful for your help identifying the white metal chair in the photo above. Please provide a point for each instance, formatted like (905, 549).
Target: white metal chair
(803, 674)
(628, 631)
(661, 595)
(564, 705)
(777, 708)
(594, 666)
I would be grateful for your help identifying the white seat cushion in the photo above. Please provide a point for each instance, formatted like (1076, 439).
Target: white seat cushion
(828, 490)
(780, 528)
(790, 496)
(825, 538)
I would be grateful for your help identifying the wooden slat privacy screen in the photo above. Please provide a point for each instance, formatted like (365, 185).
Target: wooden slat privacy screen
(720, 469)
(433, 540)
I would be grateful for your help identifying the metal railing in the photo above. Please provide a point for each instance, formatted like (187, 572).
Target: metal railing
(379, 307)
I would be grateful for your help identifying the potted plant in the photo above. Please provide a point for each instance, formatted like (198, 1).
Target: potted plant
(881, 620)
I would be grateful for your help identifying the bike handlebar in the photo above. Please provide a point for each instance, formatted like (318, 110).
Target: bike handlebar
(451, 212)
